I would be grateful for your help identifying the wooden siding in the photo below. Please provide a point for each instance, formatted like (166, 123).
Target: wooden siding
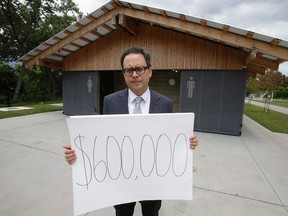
(168, 49)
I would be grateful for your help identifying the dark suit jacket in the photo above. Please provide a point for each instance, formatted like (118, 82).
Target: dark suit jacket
(117, 103)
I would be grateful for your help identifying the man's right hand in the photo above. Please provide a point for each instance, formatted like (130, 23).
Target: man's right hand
(69, 154)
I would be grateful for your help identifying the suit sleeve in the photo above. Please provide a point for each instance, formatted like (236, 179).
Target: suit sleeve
(105, 106)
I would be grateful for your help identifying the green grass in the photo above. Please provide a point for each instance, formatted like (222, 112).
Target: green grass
(273, 121)
(280, 102)
(37, 108)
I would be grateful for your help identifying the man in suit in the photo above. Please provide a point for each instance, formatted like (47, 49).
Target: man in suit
(137, 98)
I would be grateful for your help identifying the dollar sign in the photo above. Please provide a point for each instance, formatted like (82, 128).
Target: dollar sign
(78, 144)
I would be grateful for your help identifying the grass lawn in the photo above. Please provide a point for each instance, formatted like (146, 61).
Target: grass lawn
(37, 108)
(274, 121)
(280, 102)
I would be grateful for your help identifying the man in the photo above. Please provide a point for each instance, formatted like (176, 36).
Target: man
(137, 72)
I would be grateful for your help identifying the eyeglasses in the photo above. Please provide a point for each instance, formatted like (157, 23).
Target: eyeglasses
(138, 70)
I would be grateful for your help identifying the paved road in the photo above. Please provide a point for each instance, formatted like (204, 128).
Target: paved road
(234, 175)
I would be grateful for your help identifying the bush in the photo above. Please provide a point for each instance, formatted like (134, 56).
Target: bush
(8, 82)
(282, 93)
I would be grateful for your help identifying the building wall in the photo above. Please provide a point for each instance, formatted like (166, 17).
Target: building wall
(168, 49)
(216, 98)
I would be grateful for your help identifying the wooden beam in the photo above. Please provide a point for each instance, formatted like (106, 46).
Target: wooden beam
(50, 64)
(263, 62)
(78, 25)
(75, 45)
(92, 18)
(275, 42)
(256, 69)
(129, 6)
(251, 56)
(67, 32)
(95, 33)
(74, 36)
(163, 13)
(145, 9)
(57, 55)
(57, 39)
(85, 40)
(226, 28)
(116, 4)
(107, 27)
(220, 35)
(47, 45)
(249, 34)
(38, 50)
(105, 10)
(182, 18)
(30, 56)
(203, 22)
(66, 50)
(129, 24)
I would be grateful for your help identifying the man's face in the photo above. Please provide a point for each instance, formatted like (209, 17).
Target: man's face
(137, 83)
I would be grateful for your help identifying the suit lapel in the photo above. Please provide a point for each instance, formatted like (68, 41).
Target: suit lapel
(123, 102)
(154, 102)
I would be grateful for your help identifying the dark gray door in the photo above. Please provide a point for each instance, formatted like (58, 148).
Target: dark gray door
(216, 98)
(80, 93)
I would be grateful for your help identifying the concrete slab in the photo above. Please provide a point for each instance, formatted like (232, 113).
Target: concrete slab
(233, 175)
(6, 109)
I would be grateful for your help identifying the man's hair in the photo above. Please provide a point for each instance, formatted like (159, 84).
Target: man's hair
(136, 50)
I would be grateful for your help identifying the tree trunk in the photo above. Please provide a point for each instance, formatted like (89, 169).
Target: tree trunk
(19, 84)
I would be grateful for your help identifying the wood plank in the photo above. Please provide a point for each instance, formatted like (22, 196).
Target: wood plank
(74, 36)
(78, 25)
(249, 34)
(169, 50)
(251, 56)
(50, 64)
(256, 69)
(275, 42)
(129, 24)
(237, 40)
(260, 61)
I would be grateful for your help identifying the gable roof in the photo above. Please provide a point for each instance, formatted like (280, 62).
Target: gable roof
(262, 51)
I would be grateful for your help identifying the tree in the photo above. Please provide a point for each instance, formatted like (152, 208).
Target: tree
(250, 86)
(7, 82)
(24, 24)
(283, 89)
(269, 82)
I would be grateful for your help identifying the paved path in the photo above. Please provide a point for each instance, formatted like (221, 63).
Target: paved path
(234, 175)
(272, 107)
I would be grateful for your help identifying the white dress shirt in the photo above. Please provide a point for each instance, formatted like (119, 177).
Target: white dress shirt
(145, 104)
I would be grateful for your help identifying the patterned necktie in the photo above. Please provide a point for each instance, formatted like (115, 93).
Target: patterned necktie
(137, 108)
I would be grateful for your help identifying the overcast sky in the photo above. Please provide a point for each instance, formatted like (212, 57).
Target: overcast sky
(268, 17)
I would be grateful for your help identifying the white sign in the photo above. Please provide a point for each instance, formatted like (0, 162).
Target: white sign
(126, 158)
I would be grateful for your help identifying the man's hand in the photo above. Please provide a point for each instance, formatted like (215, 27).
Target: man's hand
(69, 154)
(193, 142)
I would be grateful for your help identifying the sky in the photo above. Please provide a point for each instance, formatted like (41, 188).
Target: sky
(268, 17)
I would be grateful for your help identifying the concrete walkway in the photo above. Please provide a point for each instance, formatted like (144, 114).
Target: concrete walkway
(234, 175)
